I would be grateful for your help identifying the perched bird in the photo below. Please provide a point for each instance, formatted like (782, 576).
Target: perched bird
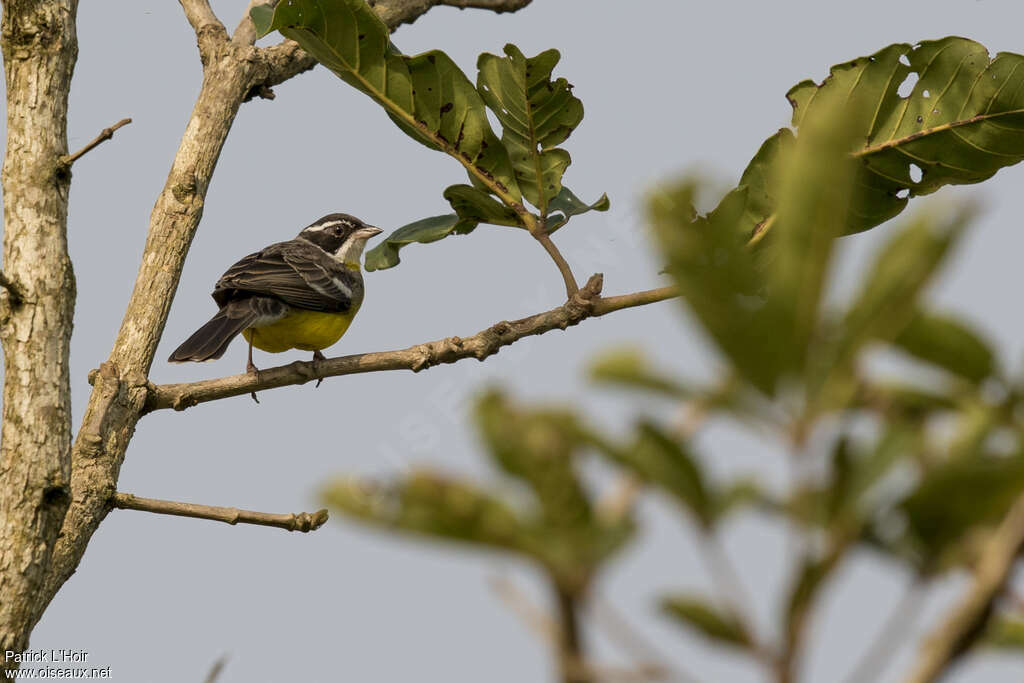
(299, 294)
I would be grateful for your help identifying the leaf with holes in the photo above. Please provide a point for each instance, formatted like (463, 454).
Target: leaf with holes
(959, 122)
(427, 95)
(536, 114)
(385, 254)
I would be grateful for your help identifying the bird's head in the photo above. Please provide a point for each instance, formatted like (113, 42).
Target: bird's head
(341, 235)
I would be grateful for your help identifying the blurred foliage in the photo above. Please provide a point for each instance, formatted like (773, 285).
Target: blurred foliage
(915, 467)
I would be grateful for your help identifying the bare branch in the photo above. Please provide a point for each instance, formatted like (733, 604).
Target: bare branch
(890, 637)
(398, 12)
(303, 521)
(586, 304)
(104, 135)
(210, 32)
(648, 296)
(15, 294)
(498, 6)
(991, 574)
(200, 15)
(216, 669)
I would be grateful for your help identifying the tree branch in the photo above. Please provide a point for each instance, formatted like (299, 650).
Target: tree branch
(104, 135)
(991, 574)
(40, 46)
(398, 12)
(202, 18)
(497, 6)
(245, 32)
(303, 521)
(586, 304)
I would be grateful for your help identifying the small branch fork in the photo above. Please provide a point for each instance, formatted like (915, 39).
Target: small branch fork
(587, 303)
(303, 521)
(105, 134)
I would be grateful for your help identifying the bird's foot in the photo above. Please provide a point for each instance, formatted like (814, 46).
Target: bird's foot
(253, 370)
(317, 357)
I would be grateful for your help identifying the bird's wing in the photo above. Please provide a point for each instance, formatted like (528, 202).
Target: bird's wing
(300, 274)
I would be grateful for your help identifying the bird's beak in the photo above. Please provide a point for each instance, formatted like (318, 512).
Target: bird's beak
(369, 231)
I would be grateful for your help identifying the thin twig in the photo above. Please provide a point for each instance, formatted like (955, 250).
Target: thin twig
(303, 521)
(991, 574)
(563, 266)
(104, 135)
(619, 631)
(889, 638)
(731, 592)
(586, 304)
(649, 296)
(497, 6)
(397, 12)
(216, 669)
(535, 618)
(15, 294)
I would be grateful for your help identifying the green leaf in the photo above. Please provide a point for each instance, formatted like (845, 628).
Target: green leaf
(959, 495)
(473, 204)
(892, 287)
(563, 206)
(537, 446)
(949, 344)
(707, 619)
(431, 504)
(385, 254)
(802, 593)
(629, 367)
(717, 276)
(1005, 633)
(665, 463)
(536, 114)
(815, 185)
(426, 95)
(752, 203)
(961, 123)
(735, 496)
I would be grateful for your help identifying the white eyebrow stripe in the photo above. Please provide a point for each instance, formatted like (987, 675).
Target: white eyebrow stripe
(324, 226)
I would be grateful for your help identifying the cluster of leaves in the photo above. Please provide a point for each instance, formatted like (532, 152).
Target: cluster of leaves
(558, 526)
(914, 470)
(433, 101)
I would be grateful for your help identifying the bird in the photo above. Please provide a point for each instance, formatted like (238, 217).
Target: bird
(299, 294)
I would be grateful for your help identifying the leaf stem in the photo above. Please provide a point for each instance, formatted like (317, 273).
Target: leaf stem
(563, 266)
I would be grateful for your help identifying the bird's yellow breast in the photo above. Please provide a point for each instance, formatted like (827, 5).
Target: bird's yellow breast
(305, 330)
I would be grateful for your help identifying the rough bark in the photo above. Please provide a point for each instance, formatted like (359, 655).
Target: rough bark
(39, 47)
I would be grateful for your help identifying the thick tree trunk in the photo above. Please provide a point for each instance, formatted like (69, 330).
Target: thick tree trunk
(39, 51)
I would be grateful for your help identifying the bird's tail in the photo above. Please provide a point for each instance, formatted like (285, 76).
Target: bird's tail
(211, 340)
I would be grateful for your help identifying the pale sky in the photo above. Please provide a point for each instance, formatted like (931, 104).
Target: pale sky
(669, 87)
